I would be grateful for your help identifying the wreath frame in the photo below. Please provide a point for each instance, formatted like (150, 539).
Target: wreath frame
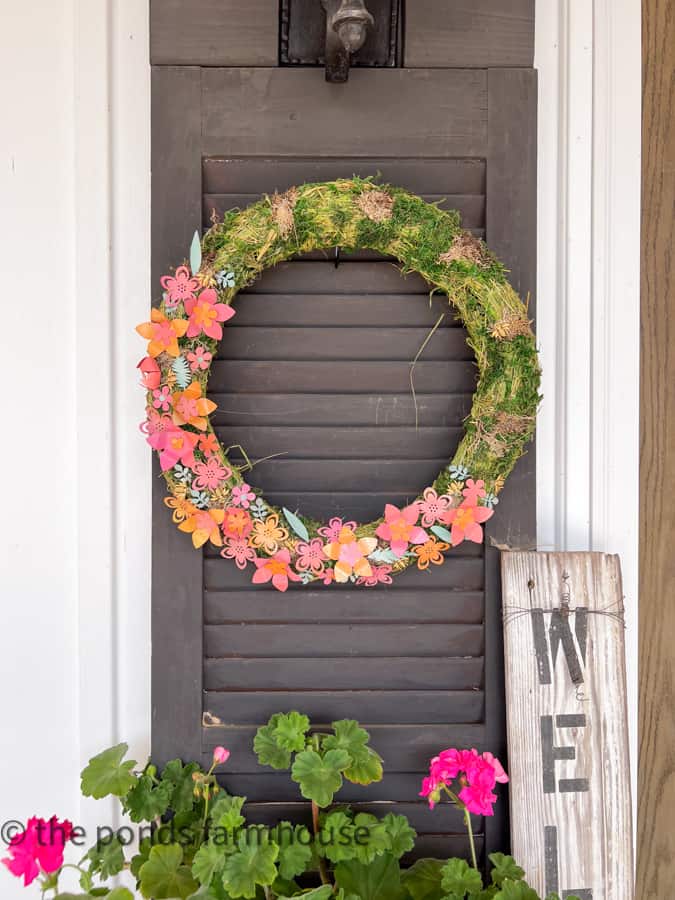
(184, 333)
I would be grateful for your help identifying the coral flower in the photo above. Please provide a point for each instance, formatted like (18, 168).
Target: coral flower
(238, 549)
(400, 528)
(210, 474)
(473, 490)
(237, 523)
(200, 359)
(267, 534)
(380, 575)
(204, 525)
(433, 507)
(206, 314)
(190, 408)
(162, 333)
(310, 557)
(38, 848)
(430, 552)
(465, 521)
(208, 444)
(151, 374)
(350, 554)
(277, 570)
(179, 287)
(174, 446)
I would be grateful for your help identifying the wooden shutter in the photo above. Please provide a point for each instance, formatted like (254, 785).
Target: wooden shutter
(316, 366)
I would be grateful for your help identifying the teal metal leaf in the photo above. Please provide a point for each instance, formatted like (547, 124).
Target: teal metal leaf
(181, 370)
(296, 524)
(384, 555)
(442, 533)
(195, 253)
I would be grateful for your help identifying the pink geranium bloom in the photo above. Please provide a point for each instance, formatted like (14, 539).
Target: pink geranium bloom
(310, 557)
(277, 570)
(38, 848)
(466, 522)
(500, 774)
(237, 548)
(161, 398)
(476, 776)
(432, 507)
(400, 528)
(206, 314)
(242, 495)
(220, 755)
(380, 575)
(332, 531)
(151, 374)
(200, 359)
(179, 287)
(210, 474)
(477, 795)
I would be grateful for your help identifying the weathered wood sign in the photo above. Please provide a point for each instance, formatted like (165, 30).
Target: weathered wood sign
(567, 723)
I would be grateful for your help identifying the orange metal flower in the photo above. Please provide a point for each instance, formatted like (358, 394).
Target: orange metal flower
(267, 534)
(190, 408)
(204, 525)
(182, 508)
(162, 333)
(431, 552)
(350, 555)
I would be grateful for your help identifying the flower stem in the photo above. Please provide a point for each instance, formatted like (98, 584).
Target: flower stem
(467, 820)
(323, 871)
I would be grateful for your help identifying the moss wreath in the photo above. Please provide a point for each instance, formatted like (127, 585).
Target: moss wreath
(208, 494)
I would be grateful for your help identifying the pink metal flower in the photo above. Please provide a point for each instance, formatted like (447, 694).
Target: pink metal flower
(276, 569)
(380, 575)
(472, 491)
(332, 531)
(242, 495)
(200, 359)
(432, 507)
(206, 314)
(179, 287)
(466, 522)
(311, 557)
(220, 755)
(156, 424)
(237, 548)
(174, 445)
(161, 398)
(400, 528)
(210, 473)
(151, 374)
(329, 576)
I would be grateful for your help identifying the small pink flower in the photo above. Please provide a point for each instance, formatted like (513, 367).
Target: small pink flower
(332, 531)
(381, 575)
(220, 755)
(329, 576)
(237, 548)
(311, 557)
(200, 359)
(400, 528)
(179, 287)
(242, 495)
(156, 424)
(472, 491)
(276, 569)
(161, 398)
(210, 473)
(433, 507)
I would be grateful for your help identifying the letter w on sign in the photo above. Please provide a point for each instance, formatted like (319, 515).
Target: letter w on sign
(567, 724)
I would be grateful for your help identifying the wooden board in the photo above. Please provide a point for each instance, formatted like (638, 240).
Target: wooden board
(481, 34)
(567, 723)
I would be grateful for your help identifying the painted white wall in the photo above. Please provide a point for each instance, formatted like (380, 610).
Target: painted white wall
(74, 161)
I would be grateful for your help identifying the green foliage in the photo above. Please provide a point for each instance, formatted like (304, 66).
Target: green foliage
(290, 731)
(147, 800)
(423, 879)
(267, 747)
(378, 880)
(505, 867)
(251, 865)
(295, 849)
(164, 875)
(320, 777)
(107, 774)
(179, 778)
(366, 764)
(226, 813)
(459, 879)
(106, 858)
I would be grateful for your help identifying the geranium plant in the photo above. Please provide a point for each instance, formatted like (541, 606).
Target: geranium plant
(197, 845)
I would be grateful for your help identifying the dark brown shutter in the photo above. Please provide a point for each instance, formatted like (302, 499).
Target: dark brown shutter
(315, 366)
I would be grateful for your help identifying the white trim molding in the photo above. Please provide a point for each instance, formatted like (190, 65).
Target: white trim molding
(588, 56)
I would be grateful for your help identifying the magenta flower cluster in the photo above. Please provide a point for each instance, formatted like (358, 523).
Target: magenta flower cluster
(474, 774)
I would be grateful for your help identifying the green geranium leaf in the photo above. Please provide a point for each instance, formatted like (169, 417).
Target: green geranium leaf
(106, 858)
(423, 879)
(290, 731)
(370, 837)
(179, 778)
(141, 857)
(120, 893)
(321, 893)
(209, 861)
(295, 849)
(268, 750)
(107, 774)
(378, 880)
(457, 877)
(366, 764)
(366, 767)
(147, 801)
(505, 867)
(336, 837)
(250, 866)
(320, 777)
(226, 813)
(401, 837)
(165, 876)
(516, 890)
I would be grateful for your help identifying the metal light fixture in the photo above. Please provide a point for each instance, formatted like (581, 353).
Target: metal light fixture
(347, 24)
